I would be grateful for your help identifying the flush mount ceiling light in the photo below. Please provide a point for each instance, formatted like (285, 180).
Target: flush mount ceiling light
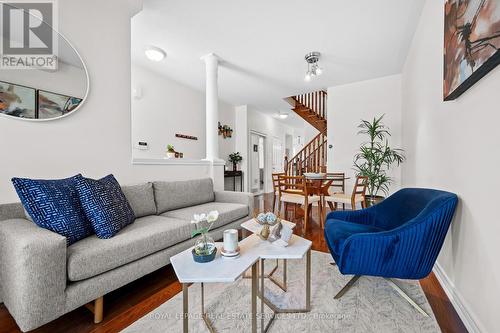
(282, 115)
(313, 68)
(155, 53)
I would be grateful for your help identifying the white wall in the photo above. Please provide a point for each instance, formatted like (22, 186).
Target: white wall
(166, 107)
(347, 106)
(454, 146)
(265, 124)
(96, 140)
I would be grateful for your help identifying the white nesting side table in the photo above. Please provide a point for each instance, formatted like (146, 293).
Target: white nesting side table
(221, 269)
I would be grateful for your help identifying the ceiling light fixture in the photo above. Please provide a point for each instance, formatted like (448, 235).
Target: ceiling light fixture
(313, 68)
(282, 115)
(155, 53)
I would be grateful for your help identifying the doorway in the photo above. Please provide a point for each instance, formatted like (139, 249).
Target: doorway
(278, 155)
(257, 162)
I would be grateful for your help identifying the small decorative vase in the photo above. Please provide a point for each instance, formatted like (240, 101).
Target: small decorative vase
(204, 249)
(265, 232)
(235, 166)
(170, 155)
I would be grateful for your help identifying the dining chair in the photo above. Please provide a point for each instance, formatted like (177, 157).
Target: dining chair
(358, 195)
(337, 185)
(297, 190)
(276, 191)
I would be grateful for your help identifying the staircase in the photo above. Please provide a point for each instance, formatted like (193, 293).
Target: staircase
(312, 158)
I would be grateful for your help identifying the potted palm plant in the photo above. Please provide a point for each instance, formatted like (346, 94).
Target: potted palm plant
(375, 158)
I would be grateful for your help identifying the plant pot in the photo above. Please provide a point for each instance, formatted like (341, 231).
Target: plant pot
(372, 200)
(170, 155)
(204, 258)
(235, 167)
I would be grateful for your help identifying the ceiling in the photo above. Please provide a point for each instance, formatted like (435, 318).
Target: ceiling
(262, 43)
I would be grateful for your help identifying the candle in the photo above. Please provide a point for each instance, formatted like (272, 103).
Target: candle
(230, 240)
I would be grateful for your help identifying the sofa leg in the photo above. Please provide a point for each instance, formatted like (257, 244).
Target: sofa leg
(347, 286)
(97, 308)
(406, 297)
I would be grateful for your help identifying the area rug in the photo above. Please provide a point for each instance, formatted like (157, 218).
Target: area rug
(371, 305)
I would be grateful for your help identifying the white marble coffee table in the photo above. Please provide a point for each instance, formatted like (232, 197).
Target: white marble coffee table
(252, 226)
(297, 248)
(225, 270)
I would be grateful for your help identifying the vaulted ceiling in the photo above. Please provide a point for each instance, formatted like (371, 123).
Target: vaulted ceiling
(263, 42)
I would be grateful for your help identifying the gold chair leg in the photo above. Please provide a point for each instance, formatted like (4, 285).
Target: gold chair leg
(347, 286)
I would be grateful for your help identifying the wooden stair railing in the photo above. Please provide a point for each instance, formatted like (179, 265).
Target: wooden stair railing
(311, 107)
(311, 158)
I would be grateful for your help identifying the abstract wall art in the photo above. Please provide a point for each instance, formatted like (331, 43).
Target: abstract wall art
(17, 101)
(52, 105)
(471, 43)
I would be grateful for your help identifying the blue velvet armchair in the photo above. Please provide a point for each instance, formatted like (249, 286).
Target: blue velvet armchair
(399, 238)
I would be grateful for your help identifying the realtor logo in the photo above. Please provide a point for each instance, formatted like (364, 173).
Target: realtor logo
(29, 34)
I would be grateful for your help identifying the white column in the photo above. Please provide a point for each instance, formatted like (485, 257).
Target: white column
(212, 106)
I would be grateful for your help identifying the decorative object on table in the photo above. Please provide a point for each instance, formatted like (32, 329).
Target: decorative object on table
(266, 220)
(52, 105)
(181, 155)
(471, 43)
(225, 131)
(375, 158)
(170, 151)
(204, 249)
(284, 236)
(235, 158)
(230, 245)
(183, 136)
(313, 175)
(17, 101)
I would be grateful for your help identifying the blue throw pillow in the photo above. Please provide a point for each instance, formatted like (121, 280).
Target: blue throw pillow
(105, 205)
(54, 205)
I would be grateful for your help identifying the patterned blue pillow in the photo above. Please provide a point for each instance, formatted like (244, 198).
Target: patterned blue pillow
(54, 205)
(105, 205)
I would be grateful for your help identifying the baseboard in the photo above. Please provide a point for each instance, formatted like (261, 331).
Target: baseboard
(457, 301)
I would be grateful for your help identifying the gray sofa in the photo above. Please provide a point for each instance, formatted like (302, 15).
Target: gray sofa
(41, 278)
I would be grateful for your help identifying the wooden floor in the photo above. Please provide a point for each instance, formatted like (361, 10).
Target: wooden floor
(126, 305)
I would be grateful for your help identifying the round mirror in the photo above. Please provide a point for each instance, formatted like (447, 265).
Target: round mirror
(39, 87)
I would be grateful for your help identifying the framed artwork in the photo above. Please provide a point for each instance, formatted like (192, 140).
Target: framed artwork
(52, 105)
(17, 101)
(471, 43)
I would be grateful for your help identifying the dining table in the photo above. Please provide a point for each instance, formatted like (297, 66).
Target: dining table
(320, 185)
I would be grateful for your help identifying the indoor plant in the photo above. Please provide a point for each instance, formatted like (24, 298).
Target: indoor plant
(170, 151)
(375, 158)
(235, 158)
(204, 249)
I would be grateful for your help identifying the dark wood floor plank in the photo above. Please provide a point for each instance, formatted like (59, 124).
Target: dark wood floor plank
(126, 305)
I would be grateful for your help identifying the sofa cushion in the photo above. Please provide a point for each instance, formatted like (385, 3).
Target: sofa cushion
(180, 194)
(105, 205)
(54, 205)
(228, 212)
(92, 256)
(141, 198)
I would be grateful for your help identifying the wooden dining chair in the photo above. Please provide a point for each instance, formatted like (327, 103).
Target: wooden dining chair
(276, 188)
(337, 185)
(358, 195)
(296, 190)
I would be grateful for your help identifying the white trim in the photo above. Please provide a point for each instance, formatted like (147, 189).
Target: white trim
(175, 161)
(472, 324)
